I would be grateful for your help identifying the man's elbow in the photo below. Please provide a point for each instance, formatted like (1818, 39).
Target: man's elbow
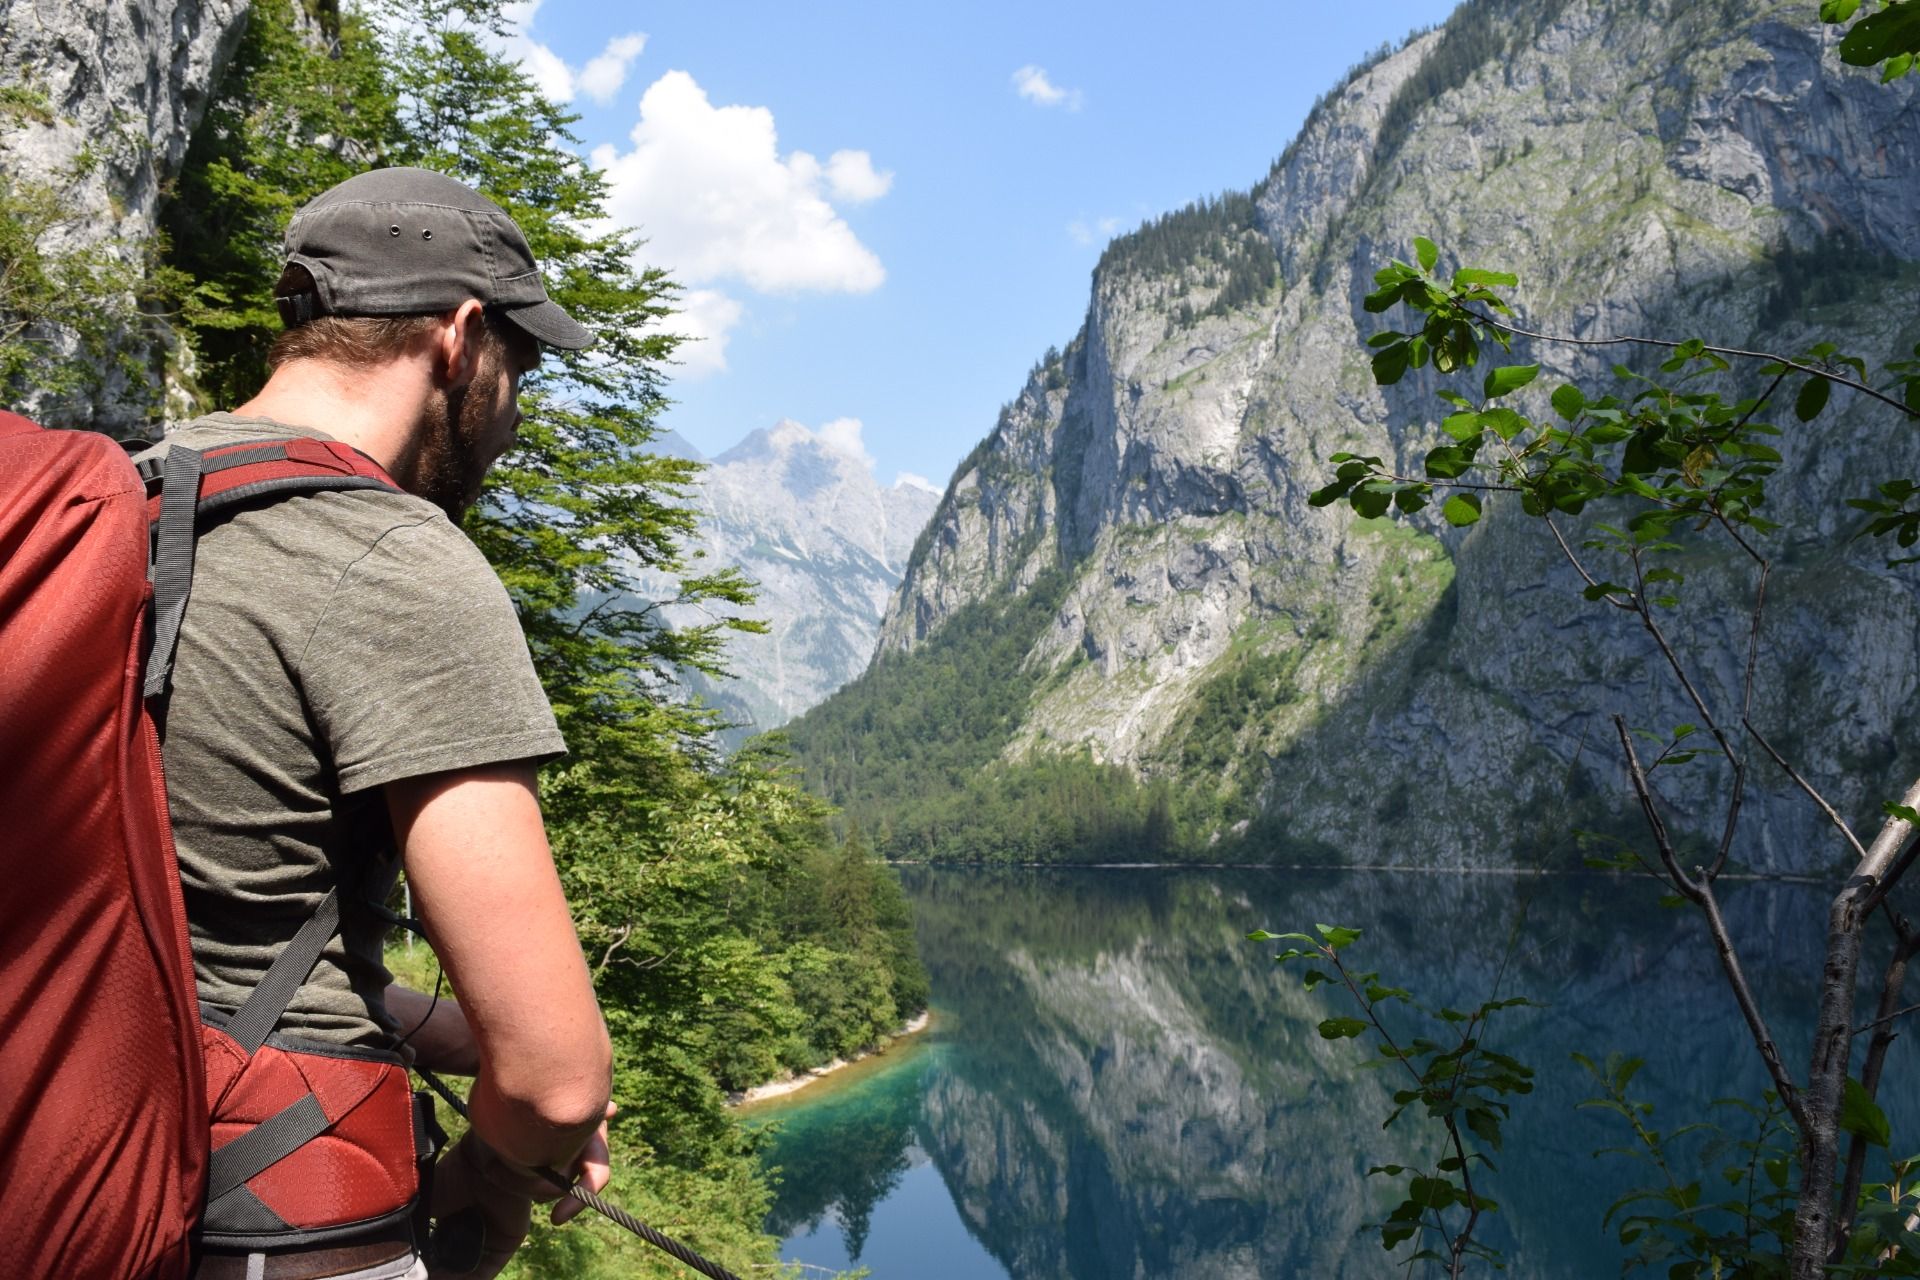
(565, 1099)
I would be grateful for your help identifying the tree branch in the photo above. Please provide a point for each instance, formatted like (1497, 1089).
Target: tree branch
(1644, 792)
(1820, 801)
(1737, 352)
(1749, 1008)
(1906, 945)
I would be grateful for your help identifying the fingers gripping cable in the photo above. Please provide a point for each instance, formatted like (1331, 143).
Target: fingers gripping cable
(612, 1212)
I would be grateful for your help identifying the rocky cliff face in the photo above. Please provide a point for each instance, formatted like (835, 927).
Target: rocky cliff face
(100, 102)
(1672, 166)
(827, 545)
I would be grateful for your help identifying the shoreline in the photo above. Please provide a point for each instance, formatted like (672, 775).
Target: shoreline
(794, 1084)
(1785, 877)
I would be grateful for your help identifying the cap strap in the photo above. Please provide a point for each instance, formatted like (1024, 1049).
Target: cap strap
(298, 308)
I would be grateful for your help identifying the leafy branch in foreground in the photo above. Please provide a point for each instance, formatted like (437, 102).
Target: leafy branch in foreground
(1458, 1082)
(1671, 459)
(1739, 1229)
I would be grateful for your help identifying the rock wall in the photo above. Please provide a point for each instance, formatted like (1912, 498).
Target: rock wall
(123, 84)
(1445, 697)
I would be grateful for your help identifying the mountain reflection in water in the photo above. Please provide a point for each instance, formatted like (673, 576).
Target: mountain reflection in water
(1120, 1086)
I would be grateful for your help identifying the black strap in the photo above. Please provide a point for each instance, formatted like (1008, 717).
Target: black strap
(265, 1145)
(256, 1019)
(172, 563)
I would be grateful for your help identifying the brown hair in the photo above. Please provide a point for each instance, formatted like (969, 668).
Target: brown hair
(357, 341)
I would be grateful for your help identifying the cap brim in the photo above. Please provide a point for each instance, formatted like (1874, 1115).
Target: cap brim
(551, 325)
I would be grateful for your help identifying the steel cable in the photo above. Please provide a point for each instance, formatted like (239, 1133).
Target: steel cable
(612, 1212)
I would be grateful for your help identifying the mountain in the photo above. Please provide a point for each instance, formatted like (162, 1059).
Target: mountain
(1131, 554)
(97, 103)
(827, 544)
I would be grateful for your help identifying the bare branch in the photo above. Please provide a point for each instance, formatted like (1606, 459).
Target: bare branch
(1749, 1008)
(1746, 708)
(1661, 840)
(606, 957)
(1906, 945)
(1819, 800)
(1889, 881)
(1673, 660)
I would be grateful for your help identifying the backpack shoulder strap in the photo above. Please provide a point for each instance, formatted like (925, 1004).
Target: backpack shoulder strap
(194, 485)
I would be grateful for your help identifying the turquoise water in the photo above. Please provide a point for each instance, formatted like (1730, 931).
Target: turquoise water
(1117, 1084)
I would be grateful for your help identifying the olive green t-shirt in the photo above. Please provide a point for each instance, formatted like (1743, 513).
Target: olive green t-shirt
(333, 642)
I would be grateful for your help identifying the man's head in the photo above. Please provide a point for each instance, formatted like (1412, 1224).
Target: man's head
(406, 270)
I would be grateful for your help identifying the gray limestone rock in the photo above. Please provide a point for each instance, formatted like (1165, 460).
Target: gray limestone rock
(124, 84)
(1445, 697)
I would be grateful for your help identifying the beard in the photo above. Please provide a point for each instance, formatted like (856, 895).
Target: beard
(448, 467)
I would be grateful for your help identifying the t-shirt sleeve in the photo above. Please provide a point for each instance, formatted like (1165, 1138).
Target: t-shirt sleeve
(418, 664)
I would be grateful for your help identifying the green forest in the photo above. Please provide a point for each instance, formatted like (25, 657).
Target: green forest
(734, 937)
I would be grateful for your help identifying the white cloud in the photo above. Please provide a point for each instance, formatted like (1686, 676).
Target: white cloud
(706, 318)
(600, 79)
(842, 435)
(853, 179)
(914, 481)
(708, 188)
(1031, 83)
(603, 75)
(1098, 231)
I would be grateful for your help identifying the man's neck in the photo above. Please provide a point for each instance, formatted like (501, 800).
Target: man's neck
(375, 410)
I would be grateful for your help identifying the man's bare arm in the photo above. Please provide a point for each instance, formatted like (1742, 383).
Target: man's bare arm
(484, 885)
(435, 1030)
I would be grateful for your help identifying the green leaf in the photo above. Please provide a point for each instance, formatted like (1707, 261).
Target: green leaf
(1370, 501)
(1337, 936)
(1461, 510)
(1568, 401)
(1903, 812)
(1463, 426)
(1509, 378)
(1838, 10)
(1861, 1115)
(1812, 399)
(1892, 31)
(1426, 251)
(1473, 277)
(1448, 462)
(1341, 1028)
(1390, 364)
(1330, 494)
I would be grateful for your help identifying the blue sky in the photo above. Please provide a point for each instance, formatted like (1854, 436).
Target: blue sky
(884, 213)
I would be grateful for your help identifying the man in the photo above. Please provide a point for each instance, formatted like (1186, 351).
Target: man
(352, 695)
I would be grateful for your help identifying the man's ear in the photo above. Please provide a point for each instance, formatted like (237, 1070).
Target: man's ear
(457, 344)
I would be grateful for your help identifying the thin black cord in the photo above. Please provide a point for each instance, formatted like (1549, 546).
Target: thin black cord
(612, 1212)
(439, 983)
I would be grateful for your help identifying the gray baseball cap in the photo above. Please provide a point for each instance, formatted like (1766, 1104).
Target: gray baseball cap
(395, 242)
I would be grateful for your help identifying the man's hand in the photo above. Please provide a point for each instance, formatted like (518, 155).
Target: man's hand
(592, 1169)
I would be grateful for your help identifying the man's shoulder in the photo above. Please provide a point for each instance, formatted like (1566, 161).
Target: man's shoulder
(333, 526)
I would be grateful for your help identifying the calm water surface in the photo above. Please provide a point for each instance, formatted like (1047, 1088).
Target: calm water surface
(1119, 1085)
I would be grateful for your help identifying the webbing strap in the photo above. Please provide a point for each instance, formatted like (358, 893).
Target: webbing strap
(256, 1019)
(265, 1145)
(172, 563)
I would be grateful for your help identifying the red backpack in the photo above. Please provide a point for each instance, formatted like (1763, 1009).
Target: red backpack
(138, 1130)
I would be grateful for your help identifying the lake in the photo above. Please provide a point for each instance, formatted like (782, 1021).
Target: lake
(1118, 1084)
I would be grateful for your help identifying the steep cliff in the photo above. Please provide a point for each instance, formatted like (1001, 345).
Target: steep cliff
(99, 103)
(825, 541)
(1398, 691)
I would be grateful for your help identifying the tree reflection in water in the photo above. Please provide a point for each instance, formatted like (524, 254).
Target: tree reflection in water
(1122, 1086)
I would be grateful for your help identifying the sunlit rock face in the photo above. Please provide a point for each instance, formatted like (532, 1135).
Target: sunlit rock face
(110, 94)
(1644, 168)
(825, 541)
